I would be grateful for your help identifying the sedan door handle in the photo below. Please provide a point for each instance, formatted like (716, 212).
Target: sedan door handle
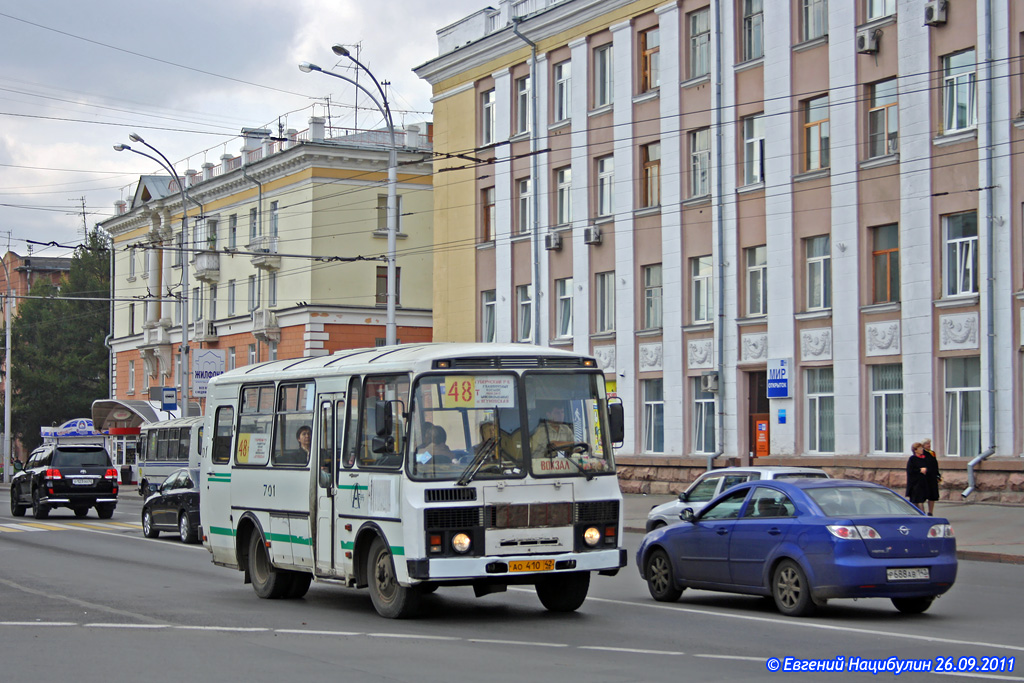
(775, 531)
(722, 531)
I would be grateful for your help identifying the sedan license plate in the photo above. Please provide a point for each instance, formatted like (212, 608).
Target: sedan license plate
(531, 565)
(82, 482)
(909, 574)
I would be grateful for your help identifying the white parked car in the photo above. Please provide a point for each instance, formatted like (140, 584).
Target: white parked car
(713, 482)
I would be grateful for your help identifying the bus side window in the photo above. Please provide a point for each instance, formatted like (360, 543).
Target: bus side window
(352, 424)
(225, 420)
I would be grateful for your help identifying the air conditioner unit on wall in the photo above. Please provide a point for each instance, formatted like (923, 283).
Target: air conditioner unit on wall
(867, 41)
(935, 12)
(592, 235)
(552, 241)
(709, 382)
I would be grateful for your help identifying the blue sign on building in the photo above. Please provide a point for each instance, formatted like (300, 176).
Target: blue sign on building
(778, 377)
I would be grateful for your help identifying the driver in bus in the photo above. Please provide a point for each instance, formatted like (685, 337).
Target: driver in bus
(553, 435)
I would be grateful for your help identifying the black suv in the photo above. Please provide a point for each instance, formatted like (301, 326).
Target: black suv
(76, 477)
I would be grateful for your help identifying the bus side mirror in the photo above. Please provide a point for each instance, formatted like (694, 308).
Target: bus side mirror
(616, 422)
(384, 422)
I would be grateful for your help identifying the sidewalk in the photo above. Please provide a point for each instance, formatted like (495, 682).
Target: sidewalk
(985, 532)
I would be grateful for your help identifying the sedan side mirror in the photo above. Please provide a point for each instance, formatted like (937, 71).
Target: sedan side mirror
(683, 497)
(687, 515)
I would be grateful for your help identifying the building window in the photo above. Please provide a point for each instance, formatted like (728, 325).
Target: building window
(887, 408)
(819, 273)
(274, 216)
(757, 280)
(563, 203)
(885, 262)
(753, 149)
(131, 262)
(524, 312)
(131, 377)
(604, 301)
(232, 361)
(700, 163)
(488, 303)
(881, 8)
(523, 104)
(254, 295)
(883, 120)
(131, 319)
(605, 183)
(650, 72)
(815, 18)
(231, 297)
(963, 406)
(700, 42)
(563, 314)
(488, 118)
(253, 227)
(233, 230)
(197, 304)
(753, 29)
(211, 234)
(700, 270)
(525, 201)
(213, 302)
(252, 354)
(381, 295)
(179, 252)
(488, 216)
(961, 253)
(272, 289)
(563, 90)
(960, 108)
(382, 213)
(654, 415)
(271, 350)
(816, 134)
(650, 160)
(703, 419)
(821, 437)
(652, 297)
(603, 81)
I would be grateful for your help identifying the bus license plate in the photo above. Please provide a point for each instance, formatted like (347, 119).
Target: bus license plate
(531, 565)
(81, 482)
(911, 574)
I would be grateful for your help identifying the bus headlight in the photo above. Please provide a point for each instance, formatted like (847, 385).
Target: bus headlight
(591, 536)
(461, 543)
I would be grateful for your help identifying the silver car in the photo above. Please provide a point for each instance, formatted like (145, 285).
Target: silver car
(713, 482)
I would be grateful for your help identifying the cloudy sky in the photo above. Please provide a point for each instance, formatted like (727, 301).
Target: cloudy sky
(77, 77)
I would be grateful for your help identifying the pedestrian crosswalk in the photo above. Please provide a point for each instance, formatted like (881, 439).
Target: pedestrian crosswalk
(20, 527)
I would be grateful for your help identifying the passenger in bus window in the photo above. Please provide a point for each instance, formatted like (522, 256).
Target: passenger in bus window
(304, 436)
(553, 434)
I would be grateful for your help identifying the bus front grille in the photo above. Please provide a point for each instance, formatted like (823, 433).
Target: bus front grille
(597, 511)
(529, 515)
(452, 518)
(449, 495)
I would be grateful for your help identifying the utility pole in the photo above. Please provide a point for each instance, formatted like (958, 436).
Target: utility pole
(85, 226)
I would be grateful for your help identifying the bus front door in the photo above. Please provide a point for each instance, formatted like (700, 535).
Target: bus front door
(331, 425)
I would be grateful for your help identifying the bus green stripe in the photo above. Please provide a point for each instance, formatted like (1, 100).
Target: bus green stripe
(221, 531)
(288, 538)
(353, 487)
(395, 549)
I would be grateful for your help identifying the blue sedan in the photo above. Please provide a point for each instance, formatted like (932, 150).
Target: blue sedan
(803, 542)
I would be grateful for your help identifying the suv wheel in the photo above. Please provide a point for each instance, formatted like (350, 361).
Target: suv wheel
(17, 509)
(105, 511)
(39, 510)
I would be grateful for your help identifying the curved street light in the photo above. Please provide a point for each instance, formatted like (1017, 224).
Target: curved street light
(391, 329)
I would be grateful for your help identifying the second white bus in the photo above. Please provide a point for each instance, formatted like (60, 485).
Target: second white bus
(166, 446)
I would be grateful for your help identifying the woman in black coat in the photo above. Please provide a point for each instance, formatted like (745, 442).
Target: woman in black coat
(923, 478)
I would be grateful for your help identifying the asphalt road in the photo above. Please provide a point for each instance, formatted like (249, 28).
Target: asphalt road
(93, 600)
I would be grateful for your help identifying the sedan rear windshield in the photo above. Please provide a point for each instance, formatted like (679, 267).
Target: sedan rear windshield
(96, 457)
(849, 501)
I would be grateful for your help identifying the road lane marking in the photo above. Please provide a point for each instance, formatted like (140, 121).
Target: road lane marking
(38, 623)
(301, 632)
(633, 650)
(514, 642)
(138, 626)
(234, 629)
(736, 657)
(20, 527)
(411, 636)
(40, 525)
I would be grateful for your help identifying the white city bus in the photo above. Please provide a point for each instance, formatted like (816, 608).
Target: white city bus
(432, 465)
(166, 446)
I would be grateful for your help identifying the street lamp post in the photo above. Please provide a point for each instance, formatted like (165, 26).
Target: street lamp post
(391, 329)
(8, 468)
(183, 378)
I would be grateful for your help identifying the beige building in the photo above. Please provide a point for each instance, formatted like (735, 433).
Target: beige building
(790, 228)
(285, 254)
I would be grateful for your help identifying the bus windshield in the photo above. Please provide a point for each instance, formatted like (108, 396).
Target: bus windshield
(565, 419)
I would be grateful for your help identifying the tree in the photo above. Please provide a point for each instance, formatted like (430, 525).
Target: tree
(58, 357)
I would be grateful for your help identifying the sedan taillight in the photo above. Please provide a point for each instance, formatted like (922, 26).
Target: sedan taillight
(846, 532)
(941, 531)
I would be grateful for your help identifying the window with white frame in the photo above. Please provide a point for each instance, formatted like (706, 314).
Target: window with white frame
(271, 350)
(652, 297)
(253, 226)
(213, 302)
(883, 119)
(563, 198)
(272, 289)
(700, 163)
(231, 297)
(381, 292)
(816, 134)
(488, 311)
(653, 394)
(753, 29)
(961, 253)
(699, 23)
(382, 213)
(233, 230)
(131, 377)
(650, 69)
(211, 234)
(525, 201)
(523, 108)
(179, 252)
(488, 117)
(131, 319)
(254, 294)
(700, 272)
(963, 406)
(703, 419)
(821, 432)
(252, 354)
(197, 304)
(819, 272)
(605, 185)
(757, 280)
(887, 408)
(275, 215)
(603, 80)
(563, 303)
(563, 90)
(650, 161)
(959, 87)
(880, 8)
(131, 262)
(232, 360)
(753, 149)
(814, 18)
(524, 312)
(604, 301)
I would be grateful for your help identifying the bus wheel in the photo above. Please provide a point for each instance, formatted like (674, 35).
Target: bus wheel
(563, 592)
(300, 585)
(268, 582)
(391, 600)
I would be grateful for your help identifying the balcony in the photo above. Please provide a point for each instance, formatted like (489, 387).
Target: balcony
(156, 350)
(204, 331)
(264, 326)
(264, 252)
(207, 267)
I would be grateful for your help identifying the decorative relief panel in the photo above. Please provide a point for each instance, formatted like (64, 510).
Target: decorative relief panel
(958, 331)
(882, 338)
(605, 356)
(816, 344)
(754, 347)
(700, 354)
(650, 357)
